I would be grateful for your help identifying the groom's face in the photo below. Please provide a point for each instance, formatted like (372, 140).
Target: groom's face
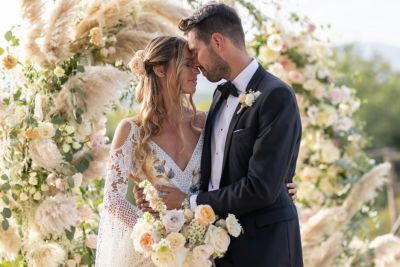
(211, 64)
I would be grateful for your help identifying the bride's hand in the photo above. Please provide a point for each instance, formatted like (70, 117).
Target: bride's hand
(141, 203)
(172, 196)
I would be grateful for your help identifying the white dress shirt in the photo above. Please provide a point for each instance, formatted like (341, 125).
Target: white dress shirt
(221, 126)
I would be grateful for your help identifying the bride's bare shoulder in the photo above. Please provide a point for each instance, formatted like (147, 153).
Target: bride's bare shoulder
(121, 133)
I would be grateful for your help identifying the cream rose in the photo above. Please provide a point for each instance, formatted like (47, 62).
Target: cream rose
(46, 130)
(204, 214)
(176, 240)
(202, 252)
(233, 226)
(218, 238)
(9, 61)
(59, 72)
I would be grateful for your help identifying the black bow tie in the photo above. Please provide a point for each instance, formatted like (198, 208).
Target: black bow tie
(227, 89)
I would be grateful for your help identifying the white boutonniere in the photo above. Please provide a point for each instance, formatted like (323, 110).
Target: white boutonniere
(247, 100)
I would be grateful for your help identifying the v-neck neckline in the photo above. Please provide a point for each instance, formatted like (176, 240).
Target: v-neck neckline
(173, 161)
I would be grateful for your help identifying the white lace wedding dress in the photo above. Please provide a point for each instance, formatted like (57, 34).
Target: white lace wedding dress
(114, 245)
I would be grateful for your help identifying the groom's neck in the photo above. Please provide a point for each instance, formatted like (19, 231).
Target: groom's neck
(238, 62)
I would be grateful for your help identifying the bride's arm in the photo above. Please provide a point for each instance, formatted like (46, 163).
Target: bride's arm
(120, 166)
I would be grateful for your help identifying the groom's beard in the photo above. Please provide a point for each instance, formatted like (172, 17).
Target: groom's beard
(217, 69)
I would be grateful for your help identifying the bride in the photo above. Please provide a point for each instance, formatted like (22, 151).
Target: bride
(163, 142)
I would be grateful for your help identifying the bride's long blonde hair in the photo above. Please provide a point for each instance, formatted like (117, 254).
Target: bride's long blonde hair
(166, 51)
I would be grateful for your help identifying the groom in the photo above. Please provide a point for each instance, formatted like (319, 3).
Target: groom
(249, 154)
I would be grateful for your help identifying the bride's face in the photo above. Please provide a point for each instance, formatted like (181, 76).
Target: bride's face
(188, 75)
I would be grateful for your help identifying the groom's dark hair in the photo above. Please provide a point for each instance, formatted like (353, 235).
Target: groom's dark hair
(215, 17)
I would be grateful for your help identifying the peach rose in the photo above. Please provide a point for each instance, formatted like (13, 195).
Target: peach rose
(204, 214)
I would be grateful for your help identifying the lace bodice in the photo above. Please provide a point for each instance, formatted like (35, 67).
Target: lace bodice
(119, 215)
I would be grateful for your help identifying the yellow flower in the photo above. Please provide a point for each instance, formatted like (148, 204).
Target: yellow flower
(9, 61)
(59, 72)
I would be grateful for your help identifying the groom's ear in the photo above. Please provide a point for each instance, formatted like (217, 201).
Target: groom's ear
(159, 70)
(218, 41)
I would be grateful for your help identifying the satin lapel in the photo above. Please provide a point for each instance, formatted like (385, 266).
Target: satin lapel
(254, 81)
(206, 152)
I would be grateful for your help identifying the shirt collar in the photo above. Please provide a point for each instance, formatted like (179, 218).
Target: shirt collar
(242, 80)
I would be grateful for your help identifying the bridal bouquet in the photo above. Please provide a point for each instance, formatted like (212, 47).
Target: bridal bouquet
(174, 238)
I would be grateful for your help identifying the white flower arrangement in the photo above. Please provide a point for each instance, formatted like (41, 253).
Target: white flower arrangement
(247, 100)
(177, 238)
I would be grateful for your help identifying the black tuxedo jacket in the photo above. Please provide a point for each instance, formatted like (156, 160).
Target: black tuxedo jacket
(259, 159)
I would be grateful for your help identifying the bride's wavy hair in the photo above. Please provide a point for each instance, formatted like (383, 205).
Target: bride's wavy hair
(166, 51)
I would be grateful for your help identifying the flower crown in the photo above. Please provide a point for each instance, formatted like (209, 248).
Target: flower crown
(137, 63)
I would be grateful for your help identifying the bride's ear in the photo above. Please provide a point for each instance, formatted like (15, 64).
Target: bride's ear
(159, 70)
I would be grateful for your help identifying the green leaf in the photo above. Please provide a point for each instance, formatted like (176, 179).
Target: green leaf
(1, 51)
(4, 177)
(8, 36)
(6, 213)
(5, 225)
(17, 94)
(71, 182)
(57, 120)
(15, 41)
(85, 259)
(80, 68)
(70, 233)
(5, 187)
(6, 200)
(83, 165)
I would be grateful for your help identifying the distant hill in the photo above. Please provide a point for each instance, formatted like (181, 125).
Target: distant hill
(389, 52)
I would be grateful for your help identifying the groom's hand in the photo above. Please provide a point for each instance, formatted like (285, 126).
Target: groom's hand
(292, 189)
(172, 196)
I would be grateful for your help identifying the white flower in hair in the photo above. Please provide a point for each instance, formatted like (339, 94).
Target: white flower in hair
(137, 63)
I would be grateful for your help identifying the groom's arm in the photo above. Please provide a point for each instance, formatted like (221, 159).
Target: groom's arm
(273, 151)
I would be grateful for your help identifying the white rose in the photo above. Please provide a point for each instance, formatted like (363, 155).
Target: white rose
(268, 55)
(311, 84)
(275, 42)
(233, 226)
(173, 220)
(203, 252)
(329, 152)
(46, 130)
(242, 98)
(58, 71)
(343, 124)
(169, 258)
(77, 179)
(249, 100)
(218, 238)
(296, 76)
(38, 110)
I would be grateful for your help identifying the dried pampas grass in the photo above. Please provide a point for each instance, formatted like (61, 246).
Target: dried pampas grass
(9, 242)
(366, 188)
(153, 23)
(386, 250)
(55, 214)
(101, 86)
(32, 13)
(60, 29)
(128, 42)
(324, 254)
(103, 14)
(168, 9)
(46, 255)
